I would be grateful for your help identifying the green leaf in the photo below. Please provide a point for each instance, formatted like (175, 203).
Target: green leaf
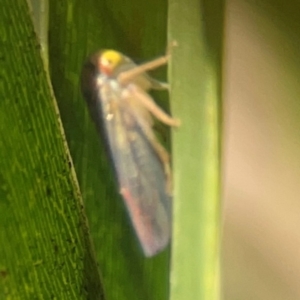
(195, 92)
(45, 248)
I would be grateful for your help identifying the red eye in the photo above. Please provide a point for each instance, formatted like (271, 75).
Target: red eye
(105, 66)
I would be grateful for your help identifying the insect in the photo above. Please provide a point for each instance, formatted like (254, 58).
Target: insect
(116, 91)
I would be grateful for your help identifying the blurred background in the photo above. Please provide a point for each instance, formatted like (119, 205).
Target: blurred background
(261, 236)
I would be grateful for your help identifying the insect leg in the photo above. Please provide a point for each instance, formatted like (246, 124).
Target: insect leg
(162, 154)
(159, 85)
(152, 107)
(165, 159)
(128, 76)
(160, 151)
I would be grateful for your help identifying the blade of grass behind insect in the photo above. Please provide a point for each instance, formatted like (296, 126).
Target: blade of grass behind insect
(77, 29)
(195, 76)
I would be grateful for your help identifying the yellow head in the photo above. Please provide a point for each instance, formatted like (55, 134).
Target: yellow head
(109, 60)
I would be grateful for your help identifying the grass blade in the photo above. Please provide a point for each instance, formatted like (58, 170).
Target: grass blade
(195, 92)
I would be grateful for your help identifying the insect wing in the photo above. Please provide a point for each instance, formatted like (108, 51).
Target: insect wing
(138, 168)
